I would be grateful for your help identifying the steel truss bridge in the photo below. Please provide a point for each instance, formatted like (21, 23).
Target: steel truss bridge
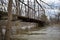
(28, 10)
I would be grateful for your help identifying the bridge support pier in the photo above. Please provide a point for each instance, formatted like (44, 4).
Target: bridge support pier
(40, 25)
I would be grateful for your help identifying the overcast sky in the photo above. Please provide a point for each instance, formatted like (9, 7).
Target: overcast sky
(54, 3)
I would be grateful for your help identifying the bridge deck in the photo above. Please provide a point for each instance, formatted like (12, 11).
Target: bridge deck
(25, 19)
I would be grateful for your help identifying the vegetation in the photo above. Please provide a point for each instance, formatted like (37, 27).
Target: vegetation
(3, 15)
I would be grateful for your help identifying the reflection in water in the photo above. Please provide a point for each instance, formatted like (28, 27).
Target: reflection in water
(19, 39)
(48, 33)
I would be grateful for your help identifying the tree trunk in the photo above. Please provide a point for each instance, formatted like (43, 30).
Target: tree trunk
(1, 35)
(8, 27)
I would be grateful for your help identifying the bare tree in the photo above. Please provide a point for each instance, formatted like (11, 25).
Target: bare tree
(17, 7)
(8, 27)
(58, 16)
(1, 33)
